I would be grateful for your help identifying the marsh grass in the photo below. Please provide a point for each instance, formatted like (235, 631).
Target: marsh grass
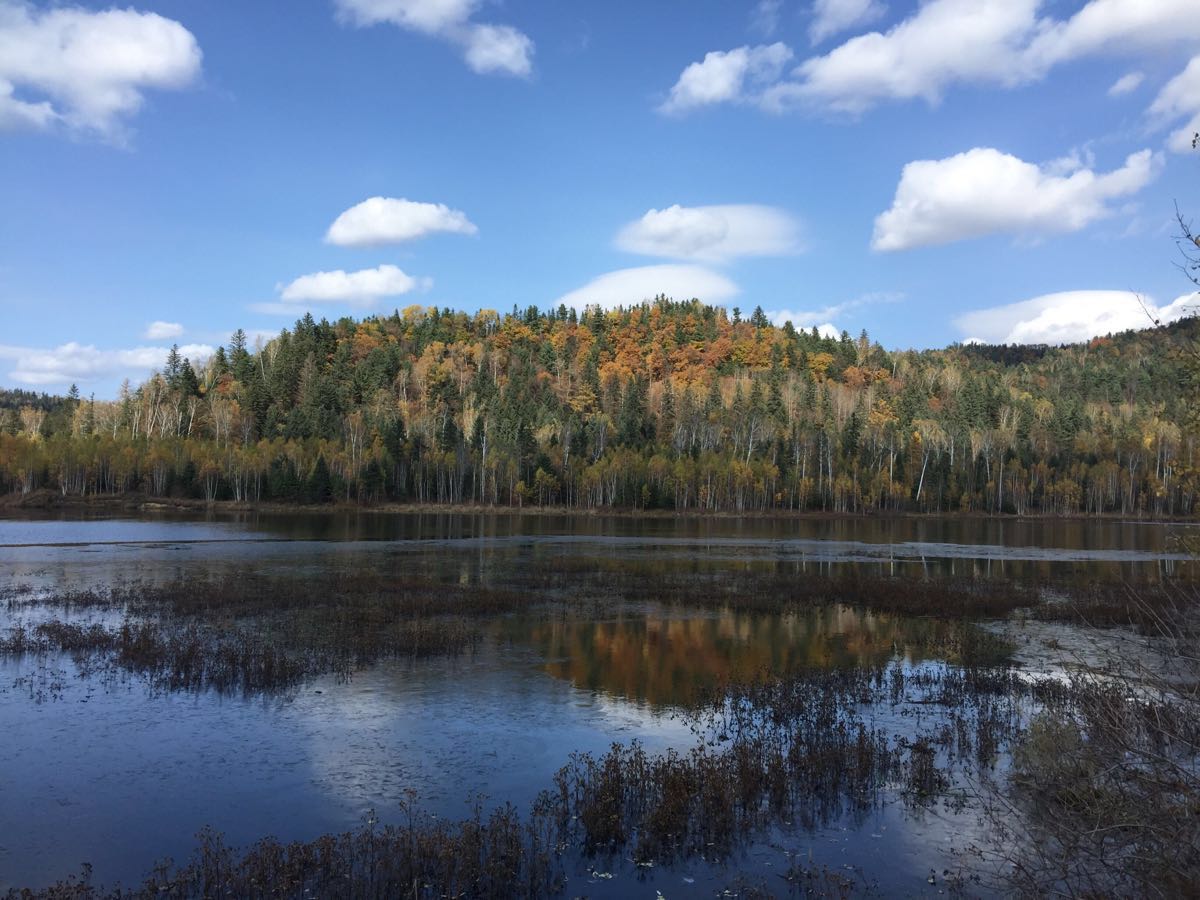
(784, 753)
(771, 591)
(1105, 780)
(1143, 607)
(1104, 797)
(251, 633)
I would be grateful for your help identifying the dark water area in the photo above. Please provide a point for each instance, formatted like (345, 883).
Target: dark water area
(480, 548)
(107, 769)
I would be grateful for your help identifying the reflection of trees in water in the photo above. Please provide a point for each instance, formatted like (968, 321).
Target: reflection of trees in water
(999, 543)
(665, 659)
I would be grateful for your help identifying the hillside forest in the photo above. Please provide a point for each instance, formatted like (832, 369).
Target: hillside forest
(663, 405)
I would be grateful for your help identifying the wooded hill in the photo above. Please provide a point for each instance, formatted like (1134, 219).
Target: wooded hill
(661, 405)
(18, 399)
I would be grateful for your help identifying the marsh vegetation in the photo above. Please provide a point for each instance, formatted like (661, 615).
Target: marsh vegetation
(769, 712)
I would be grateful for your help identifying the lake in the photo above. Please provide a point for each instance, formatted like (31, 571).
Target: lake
(108, 768)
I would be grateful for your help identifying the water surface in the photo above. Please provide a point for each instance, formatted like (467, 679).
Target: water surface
(107, 770)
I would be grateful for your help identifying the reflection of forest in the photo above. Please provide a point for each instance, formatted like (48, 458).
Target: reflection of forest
(665, 659)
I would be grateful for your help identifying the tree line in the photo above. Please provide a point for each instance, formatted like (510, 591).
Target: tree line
(661, 405)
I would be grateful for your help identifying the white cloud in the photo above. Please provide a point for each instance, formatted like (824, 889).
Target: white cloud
(800, 322)
(427, 16)
(984, 191)
(21, 115)
(946, 41)
(386, 220)
(764, 18)
(486, 48)
(87, 70)
(1127, 84)
(809, 318)
(831, 17)
(1180, 99)
(1069, 317)
(1115, 26)
(162, 331)
(260, 336)
(499, 48)
(727, 76)
(361, 288)
(712, 233)
(950, 42)
(84, 363)
(626, 287)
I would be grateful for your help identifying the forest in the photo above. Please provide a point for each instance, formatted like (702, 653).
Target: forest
(661, 405)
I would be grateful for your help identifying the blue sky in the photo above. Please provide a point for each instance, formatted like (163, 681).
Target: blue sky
(932, 172)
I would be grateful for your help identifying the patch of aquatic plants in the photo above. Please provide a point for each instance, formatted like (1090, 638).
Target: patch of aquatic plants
(238, 657)
(934, 618)
(807, 768)
(554, 581)
(254, 633)
(794, 753)
(972, 712)
(1152, 609)
(766, 589)
(19, 589)
(249, 594)
(1104, 798)
(501, 855)
(773, 591)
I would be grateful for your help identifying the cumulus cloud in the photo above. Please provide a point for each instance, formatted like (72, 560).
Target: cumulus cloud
(162, 331)
(832, 17)
(386, 220)
(626, 287)
(1180, 99)
(945, 41)
(487, 49)
(739, 75)
(84, 363)
(361, 288)
(949, 42)
(87, 71)
(712, 233)
(1127, 84)
(984, 191)
(1070, 317)
(1119, 26)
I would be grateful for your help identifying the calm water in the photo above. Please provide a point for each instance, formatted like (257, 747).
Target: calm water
(485, 547)
(106, 771)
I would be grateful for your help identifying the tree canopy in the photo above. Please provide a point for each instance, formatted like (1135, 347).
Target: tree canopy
(665, 404)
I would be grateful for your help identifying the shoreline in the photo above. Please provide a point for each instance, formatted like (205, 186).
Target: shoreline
(50, 501)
